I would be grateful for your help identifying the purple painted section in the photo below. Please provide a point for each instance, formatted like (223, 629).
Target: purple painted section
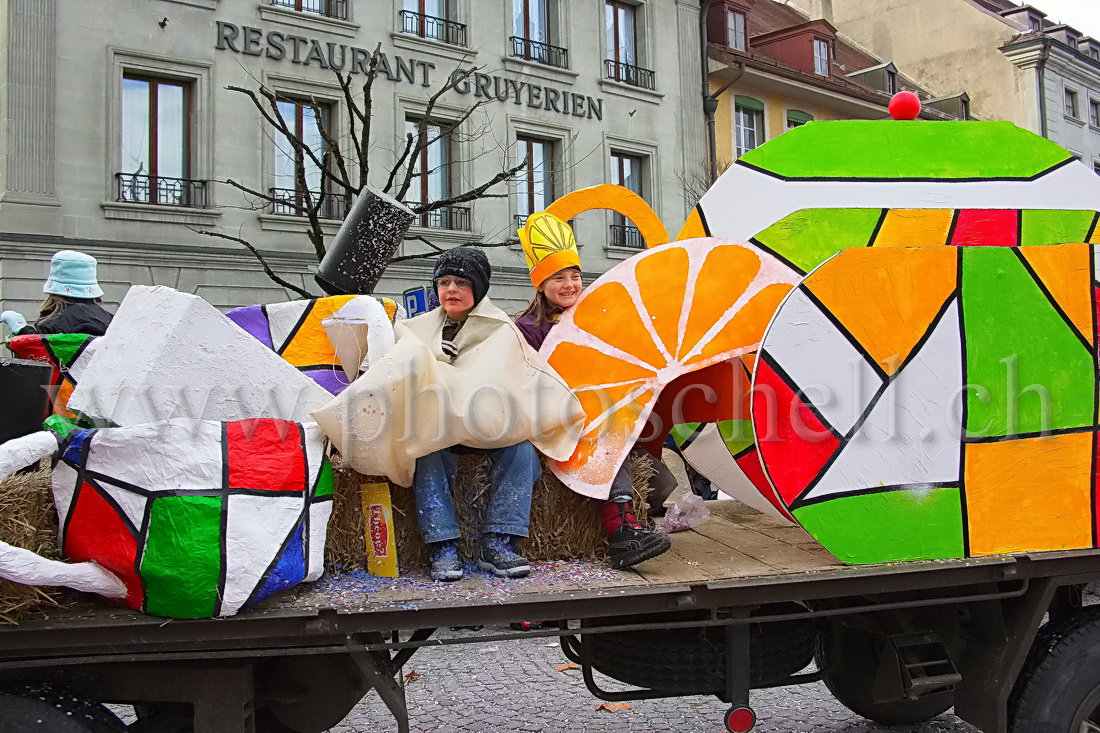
(334, 380)
(252, 319)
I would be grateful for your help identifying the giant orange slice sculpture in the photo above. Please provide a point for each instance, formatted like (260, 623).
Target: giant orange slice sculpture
(668, 311)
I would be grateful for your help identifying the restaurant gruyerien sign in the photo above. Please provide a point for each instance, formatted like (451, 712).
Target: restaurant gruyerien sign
(279, 46)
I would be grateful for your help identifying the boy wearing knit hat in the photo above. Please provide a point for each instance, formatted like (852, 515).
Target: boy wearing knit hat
(462, 281)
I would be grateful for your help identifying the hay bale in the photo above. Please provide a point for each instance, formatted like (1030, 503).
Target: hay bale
(27, 520)
(564, 525)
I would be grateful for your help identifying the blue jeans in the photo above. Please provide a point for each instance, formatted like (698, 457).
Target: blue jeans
(515, 470)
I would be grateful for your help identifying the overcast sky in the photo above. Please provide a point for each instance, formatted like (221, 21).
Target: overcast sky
(1084, 15)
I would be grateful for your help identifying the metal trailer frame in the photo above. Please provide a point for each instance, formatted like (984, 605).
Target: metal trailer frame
(315, 665)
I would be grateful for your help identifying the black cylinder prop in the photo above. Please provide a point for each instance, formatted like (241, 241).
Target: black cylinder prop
(368, 238)
(24, 397)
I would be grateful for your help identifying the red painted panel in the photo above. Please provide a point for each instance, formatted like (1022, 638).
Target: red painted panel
(97, 532)
(987, 228)
(266, 454)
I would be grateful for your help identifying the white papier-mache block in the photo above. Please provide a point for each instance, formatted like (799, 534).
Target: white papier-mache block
(168, 355)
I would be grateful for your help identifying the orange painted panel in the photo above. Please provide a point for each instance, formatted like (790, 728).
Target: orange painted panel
(1066, 271)
(1030, 494)
(922, 279)
(914, 228)
(747, 327)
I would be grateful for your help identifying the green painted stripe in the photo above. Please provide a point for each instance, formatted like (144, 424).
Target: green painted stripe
(736, 434)
(889, 526)
(1028, 370)
(324, 480)
(808, 237)
(182, 560)
(1054, 227)
(891, 149)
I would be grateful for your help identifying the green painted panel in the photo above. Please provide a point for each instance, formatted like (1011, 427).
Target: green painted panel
(324, 480)
(182, 560)
(736, 434)
(65, 345)
(1027, 369)
(891, 149)
(1039, 226)
(808, 237)
(680, 433)
(916, 524)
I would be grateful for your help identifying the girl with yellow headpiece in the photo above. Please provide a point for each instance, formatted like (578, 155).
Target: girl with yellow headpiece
(555, 267)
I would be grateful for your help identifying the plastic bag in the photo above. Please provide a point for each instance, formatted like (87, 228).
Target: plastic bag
(688, 512)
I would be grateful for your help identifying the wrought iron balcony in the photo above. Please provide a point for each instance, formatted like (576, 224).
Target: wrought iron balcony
(329, 8)
(626, 235)
(635, 76)
(437, 29)
(539, 52)
(142, 189)
(445, 217)
(291, 202)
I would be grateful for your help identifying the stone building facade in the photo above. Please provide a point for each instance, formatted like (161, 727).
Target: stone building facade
(120, 131)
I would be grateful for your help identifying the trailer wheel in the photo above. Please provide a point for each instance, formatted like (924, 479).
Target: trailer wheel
(693, 660)
(1058, 690)
(46, 707)
(851, 675)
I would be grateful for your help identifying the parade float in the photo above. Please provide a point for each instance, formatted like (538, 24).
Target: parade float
(879, 336)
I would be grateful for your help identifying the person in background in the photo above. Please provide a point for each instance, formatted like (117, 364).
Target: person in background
(555, 269)
(72, 303)
(462, 280)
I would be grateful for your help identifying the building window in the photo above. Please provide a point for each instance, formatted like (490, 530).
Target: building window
(620, 30)
(1096, 167)
(735, 30)
(1095, 53)
(535, 182)
(430, 19)
(329, 8)
(748, 124)
(821, 57)
(531, 34)
(299, 182)
(626, 171)
(1071, 103)
(1094, 113)
(964, 109)
(155, 163)
(432, 171)
(891, 82)
(797, 118)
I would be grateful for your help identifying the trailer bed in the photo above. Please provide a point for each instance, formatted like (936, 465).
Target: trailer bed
(737, 558)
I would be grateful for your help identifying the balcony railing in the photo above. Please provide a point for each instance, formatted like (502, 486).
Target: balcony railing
(635, 76)
(290, 202)
(329, 8)
(141, 189)
(437, 29)
(626, 235)
(445, 217)
(540, 53)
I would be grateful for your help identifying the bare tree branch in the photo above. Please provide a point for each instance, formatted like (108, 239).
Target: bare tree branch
(263, 262)
(437, 250)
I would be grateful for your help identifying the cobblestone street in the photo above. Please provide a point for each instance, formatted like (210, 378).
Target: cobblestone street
(513, 686)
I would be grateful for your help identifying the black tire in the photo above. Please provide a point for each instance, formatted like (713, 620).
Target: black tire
(693, 661)
(1058, 690)
(47, 708)
(851, 675)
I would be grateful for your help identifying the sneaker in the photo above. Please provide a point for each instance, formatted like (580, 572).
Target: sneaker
(445, 563)
(632, 543)
(498, 557)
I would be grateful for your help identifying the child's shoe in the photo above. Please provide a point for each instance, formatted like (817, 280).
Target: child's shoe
(445, 563)
(498, 557)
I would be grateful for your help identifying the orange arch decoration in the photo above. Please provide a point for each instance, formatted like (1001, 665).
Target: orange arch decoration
(618, 199)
